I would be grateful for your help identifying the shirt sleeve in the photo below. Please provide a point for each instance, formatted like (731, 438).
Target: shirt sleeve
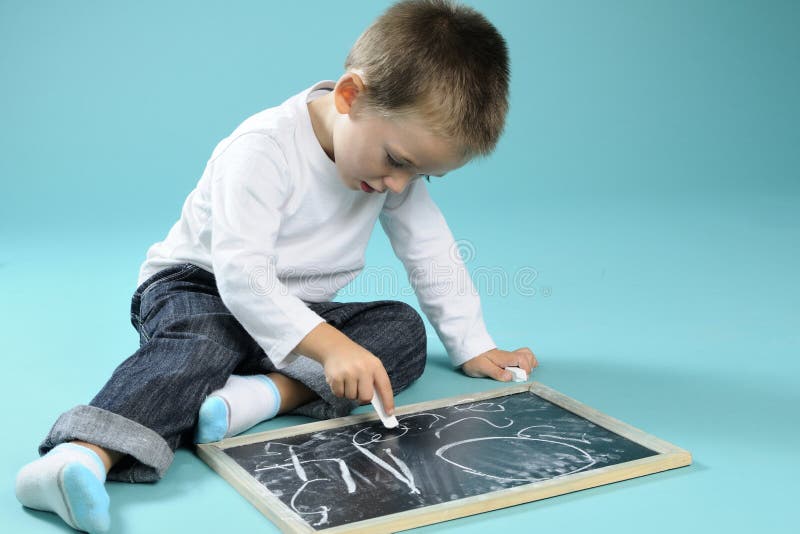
(249, 186)
(424, 243)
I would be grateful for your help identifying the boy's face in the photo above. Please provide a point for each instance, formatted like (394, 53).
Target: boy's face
(376, 154)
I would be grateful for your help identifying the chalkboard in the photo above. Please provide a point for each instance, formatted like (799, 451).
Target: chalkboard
(447, 459)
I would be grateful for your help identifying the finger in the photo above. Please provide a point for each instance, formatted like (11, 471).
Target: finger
(383, 388)
(337, 386)
(487, 367)
(532, 358)
(505, 359)
(365, 391)
(351, 388)
(526, 359)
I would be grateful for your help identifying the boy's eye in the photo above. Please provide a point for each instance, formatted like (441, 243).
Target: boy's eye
(393, 162)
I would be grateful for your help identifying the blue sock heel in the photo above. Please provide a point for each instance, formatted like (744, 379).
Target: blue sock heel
(86, 498)
(212, 421)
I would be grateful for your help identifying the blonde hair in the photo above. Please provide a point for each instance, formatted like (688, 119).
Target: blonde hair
(439, 61)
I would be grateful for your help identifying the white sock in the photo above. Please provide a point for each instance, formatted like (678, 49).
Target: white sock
(69, 481)
(243, 402)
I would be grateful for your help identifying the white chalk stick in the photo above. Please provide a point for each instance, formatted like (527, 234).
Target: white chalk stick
(518, 374)
(388, 422)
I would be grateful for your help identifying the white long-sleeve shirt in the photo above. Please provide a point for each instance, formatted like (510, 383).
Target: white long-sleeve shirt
(274, 223)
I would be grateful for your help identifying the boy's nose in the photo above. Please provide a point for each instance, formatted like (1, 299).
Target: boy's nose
(397, 183)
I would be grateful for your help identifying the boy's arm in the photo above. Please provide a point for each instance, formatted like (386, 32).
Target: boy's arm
(422, 240)
(350, 370)
(249, 185)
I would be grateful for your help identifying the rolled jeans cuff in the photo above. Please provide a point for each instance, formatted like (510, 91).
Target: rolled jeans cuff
(149, 455)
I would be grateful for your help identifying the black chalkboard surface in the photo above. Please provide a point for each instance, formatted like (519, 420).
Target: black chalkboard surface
(360, 473)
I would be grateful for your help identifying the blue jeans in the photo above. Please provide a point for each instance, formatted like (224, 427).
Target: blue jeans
(190, 343)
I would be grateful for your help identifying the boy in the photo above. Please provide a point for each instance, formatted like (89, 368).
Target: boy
(234, 308)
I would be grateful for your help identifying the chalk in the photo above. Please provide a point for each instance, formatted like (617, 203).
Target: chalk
(388, 422)
(518, 374)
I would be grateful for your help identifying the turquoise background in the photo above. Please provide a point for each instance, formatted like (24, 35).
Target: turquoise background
(648, 175)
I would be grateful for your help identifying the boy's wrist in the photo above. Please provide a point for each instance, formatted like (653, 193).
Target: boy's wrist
(322, 342)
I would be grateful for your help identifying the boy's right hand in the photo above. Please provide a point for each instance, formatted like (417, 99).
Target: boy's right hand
(351, 371)
(355, 373)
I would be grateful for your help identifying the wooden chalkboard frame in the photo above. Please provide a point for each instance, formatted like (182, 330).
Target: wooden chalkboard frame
(669, 457)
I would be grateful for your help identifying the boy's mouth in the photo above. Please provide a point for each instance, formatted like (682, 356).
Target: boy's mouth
(366, 187)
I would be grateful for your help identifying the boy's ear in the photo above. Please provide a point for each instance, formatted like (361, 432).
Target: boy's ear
(347, 89)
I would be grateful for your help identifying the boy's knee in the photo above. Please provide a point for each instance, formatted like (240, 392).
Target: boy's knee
(413, 339)
(413, 326)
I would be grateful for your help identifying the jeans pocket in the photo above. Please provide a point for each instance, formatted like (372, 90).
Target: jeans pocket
(139, 312)
(177, 272)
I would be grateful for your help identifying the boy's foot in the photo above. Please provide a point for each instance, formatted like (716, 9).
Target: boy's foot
(69, 481)
(243, 402)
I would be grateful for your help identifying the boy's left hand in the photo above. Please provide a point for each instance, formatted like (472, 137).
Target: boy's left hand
(493, 363)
